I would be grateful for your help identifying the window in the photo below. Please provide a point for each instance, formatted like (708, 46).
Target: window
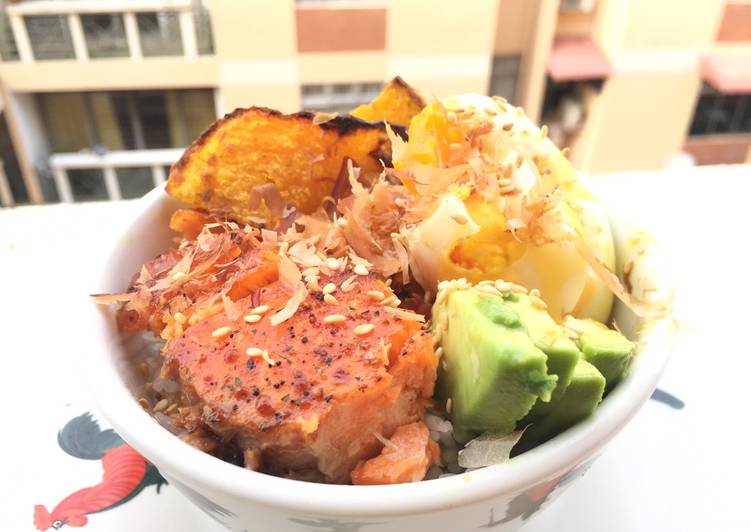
(50, 37)
(339, 97)
(503, 77)
(116, 121)
(564, 109)
(125, 120)
(160, 34)
(9, 166)
(8, 50)
(105, 35)
(718, 113)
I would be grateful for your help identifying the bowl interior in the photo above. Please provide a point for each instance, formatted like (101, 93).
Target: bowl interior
(115, 383)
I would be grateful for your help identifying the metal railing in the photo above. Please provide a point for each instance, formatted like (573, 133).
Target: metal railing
(72, 10)
(60, 163)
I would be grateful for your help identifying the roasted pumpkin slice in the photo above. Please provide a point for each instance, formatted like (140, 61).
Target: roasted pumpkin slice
(230, 168)
(397, 104)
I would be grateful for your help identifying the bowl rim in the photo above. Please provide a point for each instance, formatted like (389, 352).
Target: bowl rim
(201, 470)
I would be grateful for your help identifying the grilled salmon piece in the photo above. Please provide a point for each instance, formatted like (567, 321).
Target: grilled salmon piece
(406, 457)
(214, 258)
(312, 395)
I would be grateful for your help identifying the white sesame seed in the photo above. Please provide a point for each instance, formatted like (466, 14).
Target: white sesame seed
(342, 222)
(260, 309)
(537, 302)
(389, 281)
(178, 275)
(376, 295)
(359, 269)
(265, 355)
(365, 328)
(331, 300)
(180, 317)
(161, 405)
(252, 318)
(460, 219)
(254, 351)
(332, 263)
(221, 331)
(334, 318)
(329, 288)
(449, 404)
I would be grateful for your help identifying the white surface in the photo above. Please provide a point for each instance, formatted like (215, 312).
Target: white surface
(668, 471)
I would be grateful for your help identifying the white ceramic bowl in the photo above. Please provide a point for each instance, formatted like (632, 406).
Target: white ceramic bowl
(501, 497)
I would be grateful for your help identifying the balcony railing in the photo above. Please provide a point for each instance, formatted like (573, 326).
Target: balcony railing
(125, 12)
(108, 163)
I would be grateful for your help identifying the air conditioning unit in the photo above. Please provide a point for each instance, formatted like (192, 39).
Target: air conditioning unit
(584, 6)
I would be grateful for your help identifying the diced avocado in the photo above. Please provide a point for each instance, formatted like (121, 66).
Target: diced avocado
(551, 338)
(581, 398)
(608, 350)
(490, 368)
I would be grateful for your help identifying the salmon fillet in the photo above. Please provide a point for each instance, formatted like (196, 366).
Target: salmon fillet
(406, 457)
(319, 401)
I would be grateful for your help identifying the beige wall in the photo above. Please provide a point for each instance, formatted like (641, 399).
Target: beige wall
(253, 29)
(639, 120)
(255, 44)
(109, 74)
(576, 23)
(442, 47)
(658, 23)
(516, 19)
(533, 70)
(342, 67)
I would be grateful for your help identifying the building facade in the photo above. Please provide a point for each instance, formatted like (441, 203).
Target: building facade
(99, 97)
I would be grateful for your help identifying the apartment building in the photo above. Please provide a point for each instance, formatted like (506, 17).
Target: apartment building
(99, 97)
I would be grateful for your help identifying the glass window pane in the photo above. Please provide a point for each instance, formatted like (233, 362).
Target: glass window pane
(64, 116)
(198, 110)
(50, 37)
(134, 182)
(152, 112)
(721, 113)
(105, 35)
(202, 21)
(8, 49)
(160, 34)
(10, 165)
(87, 185)
(745, 121)
(504, 76)
(702, 115)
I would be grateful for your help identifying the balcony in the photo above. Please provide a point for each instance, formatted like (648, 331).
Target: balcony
(87, 30)
(108, 164)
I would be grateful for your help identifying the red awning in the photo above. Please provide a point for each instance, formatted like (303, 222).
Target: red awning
(728, 73)
(577, 58)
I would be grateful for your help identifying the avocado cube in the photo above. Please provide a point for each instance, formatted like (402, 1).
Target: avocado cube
(490, 368)
(608, 350)
(581, 398)
(552, 339)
